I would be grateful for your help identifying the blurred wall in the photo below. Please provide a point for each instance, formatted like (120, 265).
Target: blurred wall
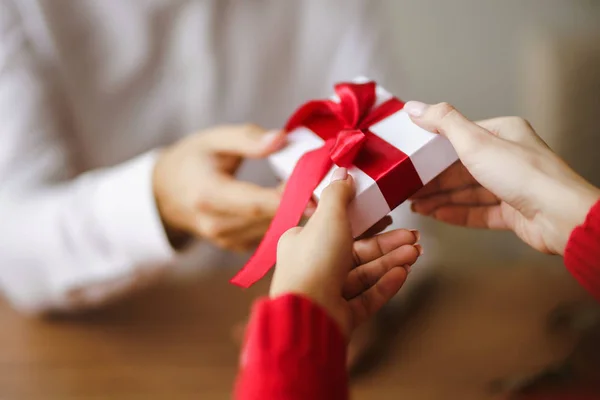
(497, 57)
(470, 52)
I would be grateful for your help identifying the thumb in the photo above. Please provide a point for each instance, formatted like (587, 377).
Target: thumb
(465, 135)
(242, 140)
(333, 204)
(244, 198)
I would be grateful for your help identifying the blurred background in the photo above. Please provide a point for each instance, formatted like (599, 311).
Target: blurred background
(485, 317)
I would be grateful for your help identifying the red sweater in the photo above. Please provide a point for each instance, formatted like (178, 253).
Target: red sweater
(295, 351)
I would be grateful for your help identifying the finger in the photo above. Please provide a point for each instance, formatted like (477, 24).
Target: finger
(471, 196)
(247, 239)
(250, 237)
(239, 198)
(225, 244)
(243, 240)
(455, 177)
(333, 205)
(379, 227)
(310, 207)
(215, 226)
(365, 276)
(466, 136)
(367, 250)
(473, 217)
(242, 140)
(369, 302)
(230, 232)
(287, 242)
(281, 187)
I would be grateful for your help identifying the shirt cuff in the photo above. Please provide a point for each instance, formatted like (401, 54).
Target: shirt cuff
(126, 210)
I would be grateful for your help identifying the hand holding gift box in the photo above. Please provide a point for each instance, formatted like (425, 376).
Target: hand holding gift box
(362, 128)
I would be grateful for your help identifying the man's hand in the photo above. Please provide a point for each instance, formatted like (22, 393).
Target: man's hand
(197, 194)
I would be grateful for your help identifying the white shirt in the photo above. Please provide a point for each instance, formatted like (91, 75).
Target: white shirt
(89, 88)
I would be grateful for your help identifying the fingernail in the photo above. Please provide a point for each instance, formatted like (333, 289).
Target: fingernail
(416, 233)
(273, 137)
(270, 135)
(419, 249)
(309, 211)
(415, 108)
(407, 268)
(339, 174)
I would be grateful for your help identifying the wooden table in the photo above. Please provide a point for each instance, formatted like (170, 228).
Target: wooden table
(174, 342)
(169, 342)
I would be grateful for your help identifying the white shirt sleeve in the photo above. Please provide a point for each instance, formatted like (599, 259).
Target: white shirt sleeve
(64, 242)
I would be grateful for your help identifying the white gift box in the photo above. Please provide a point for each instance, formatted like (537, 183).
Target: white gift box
(429, 153)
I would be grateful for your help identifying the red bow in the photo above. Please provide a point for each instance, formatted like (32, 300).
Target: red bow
(344, 127)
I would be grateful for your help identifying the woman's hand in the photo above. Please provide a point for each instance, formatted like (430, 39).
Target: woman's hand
(197, 194)
(350, 279)
(507, 178)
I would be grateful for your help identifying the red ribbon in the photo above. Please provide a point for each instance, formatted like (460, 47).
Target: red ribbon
(344, 127)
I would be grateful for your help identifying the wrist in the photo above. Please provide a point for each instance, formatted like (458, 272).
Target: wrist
(568, 208)
(178, 238)
(334, 309)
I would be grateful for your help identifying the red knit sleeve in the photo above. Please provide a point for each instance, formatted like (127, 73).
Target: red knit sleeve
(293, 351)
(582, 255)
(568, 394)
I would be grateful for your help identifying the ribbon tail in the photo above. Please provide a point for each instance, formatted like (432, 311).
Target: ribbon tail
(308, 173)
